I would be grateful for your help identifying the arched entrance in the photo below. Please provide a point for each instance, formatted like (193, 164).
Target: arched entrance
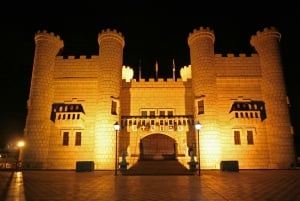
(157, 147)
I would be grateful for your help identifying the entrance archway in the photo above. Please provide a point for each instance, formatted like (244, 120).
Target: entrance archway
(157, 147)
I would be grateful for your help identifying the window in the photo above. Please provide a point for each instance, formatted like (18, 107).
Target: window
(250, 137)
(170, 113)
(237, 137)
(78, 139)
(152, 113)
(144, 113)
(65, 138)
(201, 107)
(113, 107)
(161, 113)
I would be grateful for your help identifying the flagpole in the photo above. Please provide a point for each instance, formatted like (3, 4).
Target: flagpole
(174, 78)
(156, 70)
(140, 70)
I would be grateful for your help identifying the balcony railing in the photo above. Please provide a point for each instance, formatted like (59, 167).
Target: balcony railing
(69, 119)
(157, 123)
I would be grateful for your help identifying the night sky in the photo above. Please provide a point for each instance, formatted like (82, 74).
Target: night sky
(152, 32)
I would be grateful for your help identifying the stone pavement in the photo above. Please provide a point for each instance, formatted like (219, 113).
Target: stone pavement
(211, 185)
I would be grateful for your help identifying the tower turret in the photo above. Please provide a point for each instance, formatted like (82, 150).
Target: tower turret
(201, 44)
(37, 130)
(111, 44)
(278, 124)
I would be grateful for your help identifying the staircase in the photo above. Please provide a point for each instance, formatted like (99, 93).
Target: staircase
(158, 167)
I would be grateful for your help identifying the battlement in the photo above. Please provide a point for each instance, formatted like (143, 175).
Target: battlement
(114, 31)
(240, 55)
(266, 32)
(111, 33)
(169, 82)
(45, 32)
(202, 29)
(45, 35)
(80, 57)
(201, 32)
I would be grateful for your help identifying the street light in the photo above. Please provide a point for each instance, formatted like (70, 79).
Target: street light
(20, 145)
(117, 128)
(198, 127)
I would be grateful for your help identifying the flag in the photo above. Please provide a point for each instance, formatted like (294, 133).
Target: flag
(156, 69)
(174, 70)
(140, 69)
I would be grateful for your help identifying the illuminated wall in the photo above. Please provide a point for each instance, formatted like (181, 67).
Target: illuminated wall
(240, 101)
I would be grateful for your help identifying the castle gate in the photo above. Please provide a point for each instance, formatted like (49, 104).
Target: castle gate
(157, 147)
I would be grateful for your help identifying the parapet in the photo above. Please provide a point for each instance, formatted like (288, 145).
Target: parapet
(45, 35)
(201, 32)
(151, 82)
(111, 33)
(239, 55)
(80, 57)
(267, 30)
(265, 33)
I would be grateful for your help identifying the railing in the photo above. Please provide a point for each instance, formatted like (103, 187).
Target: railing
(157, 123)
(69, 119)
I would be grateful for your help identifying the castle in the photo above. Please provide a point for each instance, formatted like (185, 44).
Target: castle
(240, 101)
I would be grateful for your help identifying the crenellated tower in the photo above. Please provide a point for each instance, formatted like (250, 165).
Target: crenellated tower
(201, 44)
(267, 44)
(37, 131)
(111, 44)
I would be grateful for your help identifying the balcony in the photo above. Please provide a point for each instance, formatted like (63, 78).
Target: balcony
(69, 120)
(157, 123)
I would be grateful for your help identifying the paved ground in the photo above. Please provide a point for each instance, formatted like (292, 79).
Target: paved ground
(245, 185)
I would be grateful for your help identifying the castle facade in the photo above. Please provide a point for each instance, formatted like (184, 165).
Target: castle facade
(240, 101)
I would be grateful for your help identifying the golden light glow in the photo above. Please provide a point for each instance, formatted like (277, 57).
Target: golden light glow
(198, 126)
(116, 126)
(21, 143)
(127, 73)
(185, 73)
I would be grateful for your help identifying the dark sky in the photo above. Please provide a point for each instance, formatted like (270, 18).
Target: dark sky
(152, 32)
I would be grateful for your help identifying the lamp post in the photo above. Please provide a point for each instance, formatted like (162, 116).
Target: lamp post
(198, 127)
(20, 145)
(117, 128)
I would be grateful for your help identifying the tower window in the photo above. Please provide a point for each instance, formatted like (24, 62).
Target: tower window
(201, 107)
(78, 139)
(250, 137)
(114, 107)
(65, 138)
(237, 137)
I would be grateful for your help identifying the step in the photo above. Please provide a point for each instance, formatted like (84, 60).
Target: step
(158, 167)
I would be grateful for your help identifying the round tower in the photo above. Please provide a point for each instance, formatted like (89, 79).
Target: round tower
(37, 129)
(201, 44)
(267, 44)
(111, 44)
